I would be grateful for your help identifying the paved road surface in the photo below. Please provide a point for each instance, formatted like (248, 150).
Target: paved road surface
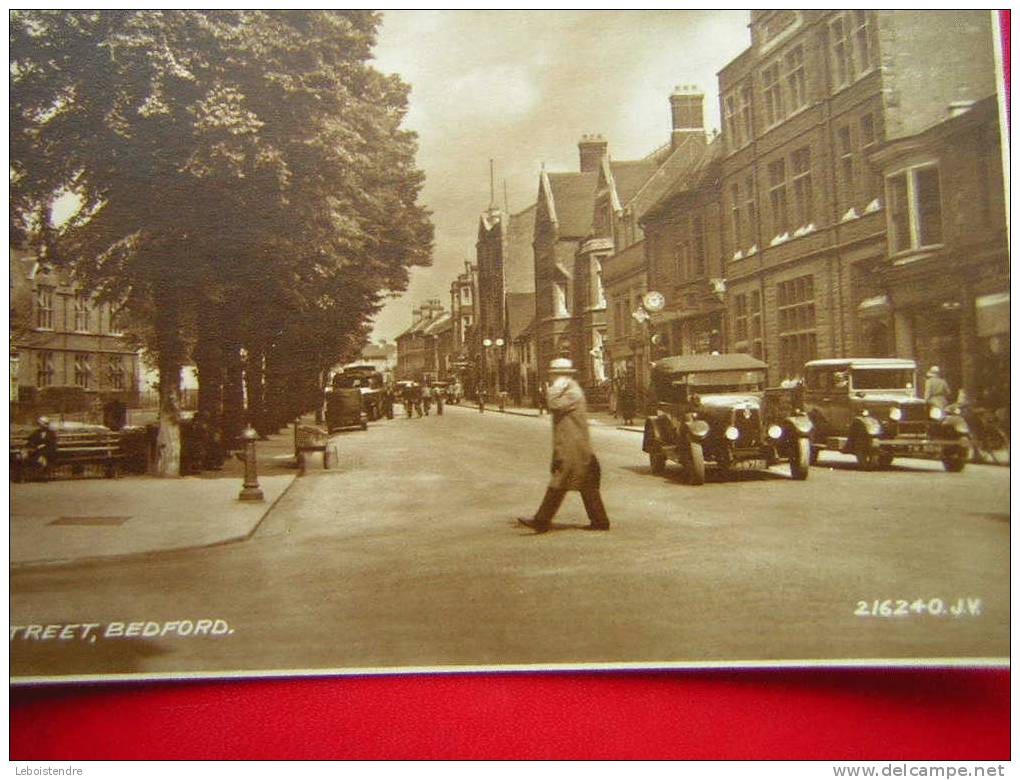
(409, 555)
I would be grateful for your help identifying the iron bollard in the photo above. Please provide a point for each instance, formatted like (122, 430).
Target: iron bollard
(251, 490)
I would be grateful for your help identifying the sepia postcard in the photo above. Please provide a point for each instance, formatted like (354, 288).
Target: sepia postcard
(346, 342)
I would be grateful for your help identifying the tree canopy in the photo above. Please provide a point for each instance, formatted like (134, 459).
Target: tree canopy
(247, 163)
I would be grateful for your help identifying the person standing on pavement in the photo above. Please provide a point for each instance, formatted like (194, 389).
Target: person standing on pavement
(574, 465)
(42, 447)
(936, 389)
(627, 402)
(437, 396)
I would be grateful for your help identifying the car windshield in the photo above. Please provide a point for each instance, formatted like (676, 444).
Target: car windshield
(882, 379)
(726, 381)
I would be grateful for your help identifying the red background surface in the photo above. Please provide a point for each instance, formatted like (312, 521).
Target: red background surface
(933, 714)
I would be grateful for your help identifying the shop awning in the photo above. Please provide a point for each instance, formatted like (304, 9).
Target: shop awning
(992, 314)
(875, 306)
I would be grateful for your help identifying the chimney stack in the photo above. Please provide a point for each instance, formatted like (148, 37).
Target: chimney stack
(592, 149)
(687, 107)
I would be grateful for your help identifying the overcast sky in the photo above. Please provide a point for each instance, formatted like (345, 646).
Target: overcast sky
(521, 87)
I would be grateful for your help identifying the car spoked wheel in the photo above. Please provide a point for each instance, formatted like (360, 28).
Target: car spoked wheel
(955, 458)
(867, 455)
(696, 466)
(657, 461)
(801, 458)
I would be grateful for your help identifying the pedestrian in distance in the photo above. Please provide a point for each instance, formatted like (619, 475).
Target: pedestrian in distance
(628, 403)
(936, 389)
(481, 399)
(426, 398)
(574, 465)
(437, 396)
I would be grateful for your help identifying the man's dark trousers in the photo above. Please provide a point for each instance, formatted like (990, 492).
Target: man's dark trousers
(590, 495)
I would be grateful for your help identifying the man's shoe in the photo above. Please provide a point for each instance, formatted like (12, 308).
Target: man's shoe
(538, 528)
(598, 526)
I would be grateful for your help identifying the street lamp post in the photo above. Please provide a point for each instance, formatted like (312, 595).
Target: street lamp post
(488, 344)
(250, 491)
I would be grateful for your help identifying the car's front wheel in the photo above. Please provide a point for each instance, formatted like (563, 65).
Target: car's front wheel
(696, 466)
(955, 458)
(866, 454)
(801, 459)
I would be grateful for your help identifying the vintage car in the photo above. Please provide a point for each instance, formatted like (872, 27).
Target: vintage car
(344, 409)
(369, 383)
(712, 408)
(869, 407)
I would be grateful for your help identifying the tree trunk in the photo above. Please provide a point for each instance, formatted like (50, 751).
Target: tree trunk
(168, 440)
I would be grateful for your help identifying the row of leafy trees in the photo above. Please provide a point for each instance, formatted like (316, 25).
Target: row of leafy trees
(239, 183)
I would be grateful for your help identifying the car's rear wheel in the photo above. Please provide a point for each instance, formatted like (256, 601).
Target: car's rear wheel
(955, 458)
(801, 459)
(696, 466)
(657, 461)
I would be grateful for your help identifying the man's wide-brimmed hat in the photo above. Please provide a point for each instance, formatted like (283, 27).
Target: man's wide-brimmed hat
(934, 371)
(562, 366)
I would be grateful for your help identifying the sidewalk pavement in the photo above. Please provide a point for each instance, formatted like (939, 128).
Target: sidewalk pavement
(85, 519)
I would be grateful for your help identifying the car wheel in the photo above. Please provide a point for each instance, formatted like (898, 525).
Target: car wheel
(955, 458)
(867, 457)
(696, 475)
(801, 459)
(657, 461)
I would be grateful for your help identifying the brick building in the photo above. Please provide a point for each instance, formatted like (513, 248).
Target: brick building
(417, 349)
(68, 353)
(463, 297)
(805, 110)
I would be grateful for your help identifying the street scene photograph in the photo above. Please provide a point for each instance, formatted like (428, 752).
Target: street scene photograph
(356, 342)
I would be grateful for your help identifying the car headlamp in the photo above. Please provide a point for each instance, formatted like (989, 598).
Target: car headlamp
(935, 413)
(732, 433)
(775, 431)
(896, 414)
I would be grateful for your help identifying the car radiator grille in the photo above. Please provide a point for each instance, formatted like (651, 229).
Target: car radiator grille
(750, 429)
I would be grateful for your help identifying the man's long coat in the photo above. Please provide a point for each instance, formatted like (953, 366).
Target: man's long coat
(573, 462)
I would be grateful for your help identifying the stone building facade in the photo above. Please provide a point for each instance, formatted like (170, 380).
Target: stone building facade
(68, 354)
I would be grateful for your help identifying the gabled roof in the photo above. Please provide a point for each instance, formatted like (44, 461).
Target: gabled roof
(519, 265)
(692, 166)
(437, 325)
(629, 176)
(520, 311)
(570, 200)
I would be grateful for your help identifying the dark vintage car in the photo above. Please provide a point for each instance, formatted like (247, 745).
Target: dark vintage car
(344, 409)
(369, 383)
(713, 408)
(869, 407)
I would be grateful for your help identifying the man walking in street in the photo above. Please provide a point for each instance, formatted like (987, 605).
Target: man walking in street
(936, 389)
(574, 465)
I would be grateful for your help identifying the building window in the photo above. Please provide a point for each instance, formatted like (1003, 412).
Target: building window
(115, 372)
(465, 296)
(842, 62)
(865, 50)
(735, 206)
(796, 81)
(698, 245)
(772, 94)
(915, 208)
(682, 257)
(745, 112)
(733, 121)
(756, 334)
(803, 194)
(82, 370)
(846, 166)
(598, 289)
(740, 330)
(778, 197)
(560, 300)
(797, 338)
(868, 135)
(81, 313)
(44, 369)
(750, 209)
(871, 182)
(44, 307)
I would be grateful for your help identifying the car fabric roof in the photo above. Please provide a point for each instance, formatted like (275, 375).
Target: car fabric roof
(737, 361)
(864, 363)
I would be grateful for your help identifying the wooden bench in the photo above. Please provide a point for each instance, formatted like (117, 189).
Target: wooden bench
(76, 452)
